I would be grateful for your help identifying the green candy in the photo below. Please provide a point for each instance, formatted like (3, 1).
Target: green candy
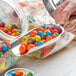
(9, 51)
(1, 54)
(56, 34)
(30, 74)
(19, 31)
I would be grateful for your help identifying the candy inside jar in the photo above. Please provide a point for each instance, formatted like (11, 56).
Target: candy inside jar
(13, 22)
(4, 48)
(10, 29)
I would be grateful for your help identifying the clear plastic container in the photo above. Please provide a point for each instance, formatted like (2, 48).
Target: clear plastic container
(12, 13)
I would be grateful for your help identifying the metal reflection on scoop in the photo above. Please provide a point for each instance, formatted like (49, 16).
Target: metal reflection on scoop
(51, 5)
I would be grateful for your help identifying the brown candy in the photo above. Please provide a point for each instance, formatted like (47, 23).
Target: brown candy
(36, 43)
(31, 40)
(14, 26)
(43, 36)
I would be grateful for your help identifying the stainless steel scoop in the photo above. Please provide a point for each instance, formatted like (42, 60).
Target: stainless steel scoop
(51, 5)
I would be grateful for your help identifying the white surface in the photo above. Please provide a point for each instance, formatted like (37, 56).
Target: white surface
(62, 63)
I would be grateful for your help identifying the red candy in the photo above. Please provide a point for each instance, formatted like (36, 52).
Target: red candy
(0, 47)
(33, 33)
(8, 44)
(2, 24)
(9, 33)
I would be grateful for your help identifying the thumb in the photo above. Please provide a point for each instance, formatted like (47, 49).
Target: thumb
(66, 13)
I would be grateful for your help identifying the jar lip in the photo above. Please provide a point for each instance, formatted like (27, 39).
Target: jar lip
(19, 11)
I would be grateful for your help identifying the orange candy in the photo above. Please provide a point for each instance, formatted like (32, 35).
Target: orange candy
(17, 34)
(30, 46)
(40, 29)
(43, 40)
(48, 38)
(54, 36)
(18, 73)
(22, 48)
(14, 30)
(23, 4)
(33, 33)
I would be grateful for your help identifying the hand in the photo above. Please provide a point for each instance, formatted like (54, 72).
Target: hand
(64, 11)
(71, 27)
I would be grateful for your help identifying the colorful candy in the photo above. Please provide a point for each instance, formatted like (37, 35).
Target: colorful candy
(48, 38)
(48, 33)
(43, 36)
(20, 73)
(11, 74)
(33, 33)
(4, 47)
(38, 37)
(11, 30)
(40, 43)
(31, 40)
(40, 33)
(30, 46)
(22, 48)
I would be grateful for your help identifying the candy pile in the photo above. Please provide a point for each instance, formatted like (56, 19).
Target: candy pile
(10, 29)
(7, 58)
(4, 47)
(20, 73)
(38, 37)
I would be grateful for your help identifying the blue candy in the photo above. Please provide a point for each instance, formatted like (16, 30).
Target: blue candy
(40, 43)
(4, 47)
(11, 74)
(40, 33)
(48, 33)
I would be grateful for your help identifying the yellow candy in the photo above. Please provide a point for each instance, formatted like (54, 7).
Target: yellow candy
(37, 38)
(27, 37)
(9, 27)
(31, 26)
(0, 42)
(47, 31)
(24, 40)
(2, 66)
(13, 34)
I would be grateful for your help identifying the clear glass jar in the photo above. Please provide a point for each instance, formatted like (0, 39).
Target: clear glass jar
(10, 13)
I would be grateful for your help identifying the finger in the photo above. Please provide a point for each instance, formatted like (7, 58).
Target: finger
(74, 13)
(59, 10)
(72, 17)
(66, 13)
(74, 33)
(72, 26)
